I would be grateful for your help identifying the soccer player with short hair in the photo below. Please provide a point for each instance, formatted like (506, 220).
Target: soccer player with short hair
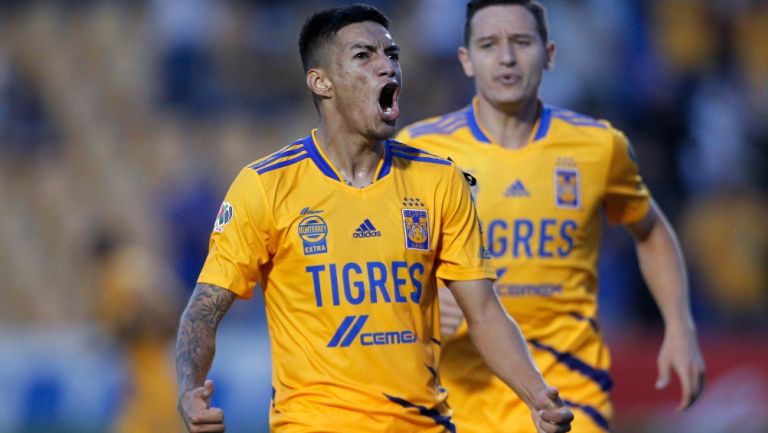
(346, 233)
(543, 175)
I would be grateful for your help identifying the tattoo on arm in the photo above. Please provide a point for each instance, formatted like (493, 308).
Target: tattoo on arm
(196, 341)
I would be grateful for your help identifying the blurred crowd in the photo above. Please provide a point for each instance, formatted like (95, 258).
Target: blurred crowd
(123, 122)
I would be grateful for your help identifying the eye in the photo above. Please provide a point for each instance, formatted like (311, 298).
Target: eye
(362, 55)
(394, 56)
(485, 45)
(523, 42)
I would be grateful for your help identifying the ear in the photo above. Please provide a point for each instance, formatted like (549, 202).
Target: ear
(551, 51)
(319, 83)
(466, 62)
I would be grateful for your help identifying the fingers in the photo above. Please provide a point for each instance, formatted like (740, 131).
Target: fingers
(696, 383)
(207, 420)
(556, 416)
(698, 389)
(552, 416)
(663, 379)
(564, 417)
(208, 428)
(208, 416)
(685, 385)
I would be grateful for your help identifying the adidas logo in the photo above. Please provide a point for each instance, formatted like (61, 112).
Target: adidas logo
(366, 230)
(517, 189)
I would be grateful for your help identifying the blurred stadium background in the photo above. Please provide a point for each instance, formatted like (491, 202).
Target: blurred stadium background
(123, 122)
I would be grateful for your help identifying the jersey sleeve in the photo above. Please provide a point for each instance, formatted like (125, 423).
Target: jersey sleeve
(461, 253)
(238, 245)
(627, 199)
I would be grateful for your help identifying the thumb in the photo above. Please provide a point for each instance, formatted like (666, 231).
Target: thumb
(207, 389)
(663, 380)
(549, 399)
(554, 397)
(553, 394)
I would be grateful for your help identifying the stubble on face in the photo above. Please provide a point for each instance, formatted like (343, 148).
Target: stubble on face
(357, 83)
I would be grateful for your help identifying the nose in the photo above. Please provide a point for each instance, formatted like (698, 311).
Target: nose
(387, 66)
(507, 56)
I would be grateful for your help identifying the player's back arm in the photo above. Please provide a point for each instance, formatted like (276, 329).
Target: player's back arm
(196, 340)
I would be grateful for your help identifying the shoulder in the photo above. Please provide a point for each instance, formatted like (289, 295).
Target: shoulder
(425, 167)
(404, 153)
(285, 157)
(438, 125)
(573, 126)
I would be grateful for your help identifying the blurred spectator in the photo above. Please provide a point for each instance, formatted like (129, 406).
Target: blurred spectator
(139, 305)
(727, 243)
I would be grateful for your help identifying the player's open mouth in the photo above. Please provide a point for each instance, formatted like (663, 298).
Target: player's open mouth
(388, 102)
(508, 78)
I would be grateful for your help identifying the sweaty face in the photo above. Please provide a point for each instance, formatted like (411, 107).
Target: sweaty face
(505, 55)
(364, 69)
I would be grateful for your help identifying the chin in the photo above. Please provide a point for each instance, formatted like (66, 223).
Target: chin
(384, 132)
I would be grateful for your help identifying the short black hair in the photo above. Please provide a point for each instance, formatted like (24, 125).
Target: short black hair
(534, 7)
(323, 26)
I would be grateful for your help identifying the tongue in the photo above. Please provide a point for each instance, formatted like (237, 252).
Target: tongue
(390, 114)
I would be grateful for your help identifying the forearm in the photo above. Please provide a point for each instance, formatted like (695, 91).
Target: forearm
(196, 340)
(502, 346)
(663, 269)
(498, 338)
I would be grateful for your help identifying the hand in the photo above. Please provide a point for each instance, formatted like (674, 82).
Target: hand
(680, 351)
(549, 412)
(451, 315)
(195, 408)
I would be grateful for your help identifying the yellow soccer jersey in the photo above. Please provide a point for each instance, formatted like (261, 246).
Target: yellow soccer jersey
(539, 206)
(349, 280)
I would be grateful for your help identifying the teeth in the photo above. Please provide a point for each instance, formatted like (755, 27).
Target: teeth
(388, 110)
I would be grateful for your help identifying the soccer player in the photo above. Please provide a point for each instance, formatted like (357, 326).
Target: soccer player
(346, 232)
(543, 176)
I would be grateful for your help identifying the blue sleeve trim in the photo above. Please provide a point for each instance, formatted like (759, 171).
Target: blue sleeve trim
(577, 119)
(445, 125)
(420, 158)
(282, 164)
(281, 154)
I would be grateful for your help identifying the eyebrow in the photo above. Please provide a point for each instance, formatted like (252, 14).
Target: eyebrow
(368, 47)
(512, 36)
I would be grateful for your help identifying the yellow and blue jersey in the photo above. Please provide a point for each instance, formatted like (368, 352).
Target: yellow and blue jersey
(539, 206)
(349, 280)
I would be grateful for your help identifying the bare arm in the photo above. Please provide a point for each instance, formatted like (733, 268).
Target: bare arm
(663, 269)
(501, 344)
(195, 348)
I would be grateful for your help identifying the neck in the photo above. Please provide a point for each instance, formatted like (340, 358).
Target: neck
(354, 156)
(510, 127)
